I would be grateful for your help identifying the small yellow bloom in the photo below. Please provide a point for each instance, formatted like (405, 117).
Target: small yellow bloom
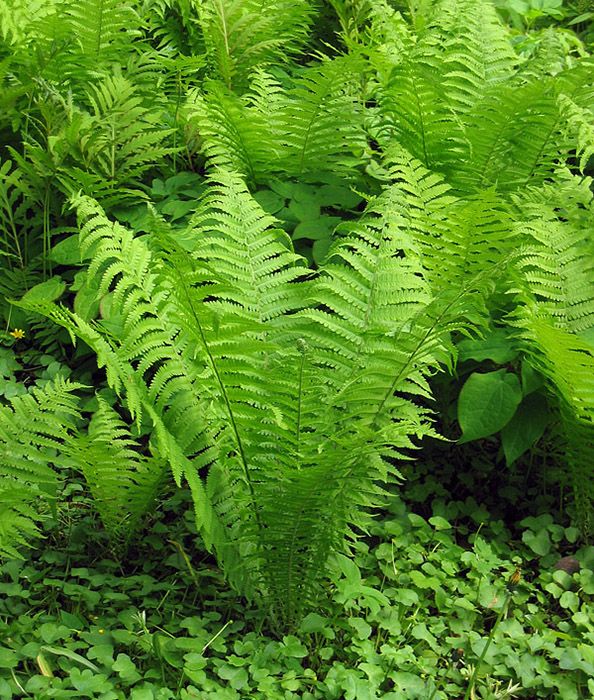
(17, 333)
(515, 578)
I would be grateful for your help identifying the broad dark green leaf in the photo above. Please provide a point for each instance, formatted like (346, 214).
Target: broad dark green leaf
(486, 403)
(525, 428)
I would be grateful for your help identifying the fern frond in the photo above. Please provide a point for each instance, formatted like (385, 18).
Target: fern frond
(475, 47)
(579, 447)
(456, 238)
(370, 338)
(390, 38)
(124, 483)
(102, 27)
(122, 137)
(19, 518)
(462, 54)
(557, 265)
(322, 122)
(236, 133)
(32, 429)
(518, 134)
(253, 262)
(421, 118)
(315, 124)
(18, 17)
(580, 120)
(567, 362)
(241, 35)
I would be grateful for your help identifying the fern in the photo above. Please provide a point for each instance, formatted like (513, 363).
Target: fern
(282, 397)
(273, 382)
(559, 270)
(517, 134)
(19, 518)
(316, 124)
(33, 429)
(236, 133)
(18, 16)
(567, 362)
(101, 27)
(121, 138)
(123, 482)
(322, 121)
(242, 35)
(580, 119)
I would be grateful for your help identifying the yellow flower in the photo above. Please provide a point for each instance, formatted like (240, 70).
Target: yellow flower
(515, 578)
(17, 333)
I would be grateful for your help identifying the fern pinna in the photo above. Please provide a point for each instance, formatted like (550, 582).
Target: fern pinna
(281, 396)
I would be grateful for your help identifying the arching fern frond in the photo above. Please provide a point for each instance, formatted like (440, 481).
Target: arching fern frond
(557, 265)
(371, 336)
(580, 121)
(519, 133)
(235, 133)
(462, 53)
(247, 261)
(567, 362)
(19, 518)
(322, 122)
(475, 48)
(456, 237)
(122, 137)
(313, 125)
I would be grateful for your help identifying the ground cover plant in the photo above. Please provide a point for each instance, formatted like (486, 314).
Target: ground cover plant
(257, 258)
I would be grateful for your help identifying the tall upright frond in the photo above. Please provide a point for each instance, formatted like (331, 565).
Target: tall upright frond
(322, 121)
(236, 133)
(101, 27)
(241, 35)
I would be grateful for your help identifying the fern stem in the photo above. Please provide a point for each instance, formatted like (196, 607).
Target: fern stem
(299, 402)
(101, 9)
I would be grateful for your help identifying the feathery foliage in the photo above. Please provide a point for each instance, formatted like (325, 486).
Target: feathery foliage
(315, 124)
(288, 383)
(283, 396)
(242, 35)
(123, 482)
(33, 431)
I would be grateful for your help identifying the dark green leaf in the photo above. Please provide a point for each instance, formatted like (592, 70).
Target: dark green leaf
(486, 403)
(525, 428)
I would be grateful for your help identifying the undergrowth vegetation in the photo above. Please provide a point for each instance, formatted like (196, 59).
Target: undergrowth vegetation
(280, 282)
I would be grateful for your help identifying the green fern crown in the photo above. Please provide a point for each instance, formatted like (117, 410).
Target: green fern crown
(281, 396)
